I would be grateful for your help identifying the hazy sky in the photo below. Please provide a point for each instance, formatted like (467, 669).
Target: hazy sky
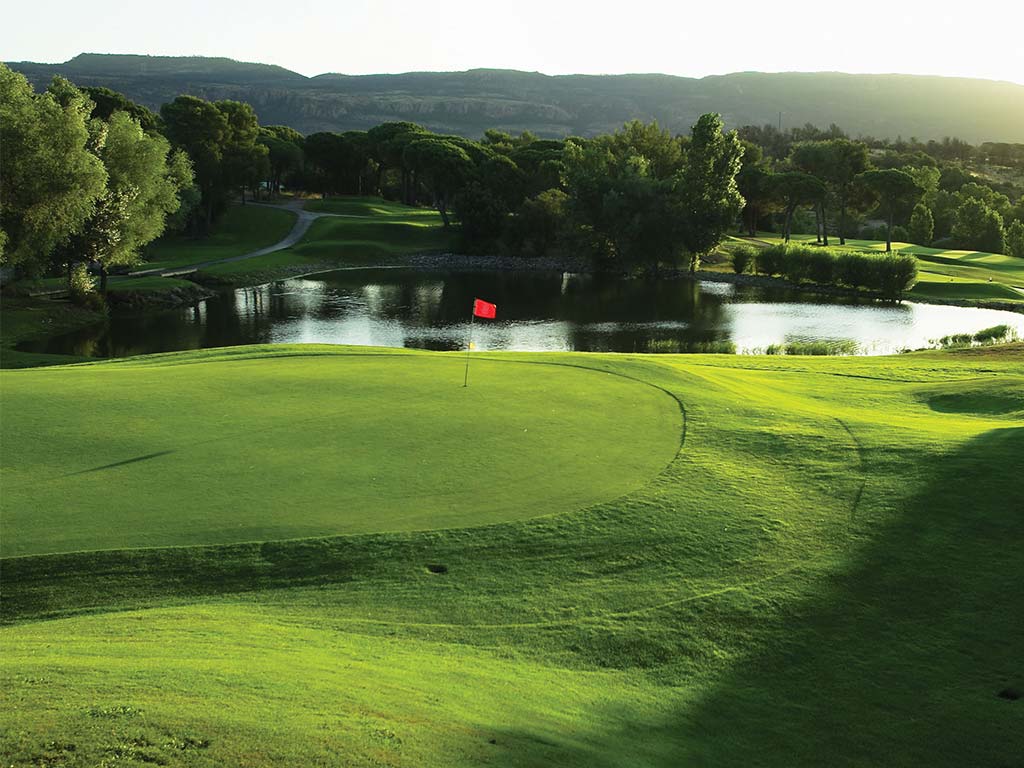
(975, 39)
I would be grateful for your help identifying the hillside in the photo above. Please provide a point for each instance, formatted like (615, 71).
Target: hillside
(469, 102)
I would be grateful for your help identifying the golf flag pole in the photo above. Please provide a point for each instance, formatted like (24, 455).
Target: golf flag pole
(481, 308)
(469, 346)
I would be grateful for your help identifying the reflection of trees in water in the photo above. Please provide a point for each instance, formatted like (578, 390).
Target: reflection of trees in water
(584, 312)
(628, 315)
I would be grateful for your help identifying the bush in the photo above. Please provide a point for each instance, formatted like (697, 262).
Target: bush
(820, 348)
(889, 273)
(820, 265)
(742, 259)
(768, 261)
(895, 273)
(82, 288)
(997, 334)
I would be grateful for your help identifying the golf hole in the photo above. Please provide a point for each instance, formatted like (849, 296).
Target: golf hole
(1010, 694)
(437, 568)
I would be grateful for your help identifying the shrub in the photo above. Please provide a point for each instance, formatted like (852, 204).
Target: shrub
(769, 261)
(896, 272)
(994, 335)
(820, 348)
(820, 265)
(742, 259)
(82, 288)
(888, 273)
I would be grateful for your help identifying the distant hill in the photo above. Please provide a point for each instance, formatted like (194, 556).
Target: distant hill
(467, 103)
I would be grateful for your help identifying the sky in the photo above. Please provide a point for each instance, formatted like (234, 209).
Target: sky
(693, 39)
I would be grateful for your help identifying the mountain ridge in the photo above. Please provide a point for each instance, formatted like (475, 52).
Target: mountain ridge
(468, 102)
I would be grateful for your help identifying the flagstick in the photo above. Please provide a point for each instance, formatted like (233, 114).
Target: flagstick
(469, 346)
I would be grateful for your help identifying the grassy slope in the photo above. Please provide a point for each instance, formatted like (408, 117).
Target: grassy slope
(394, 231)
(812, 581)
(243, 228)
(950, 274)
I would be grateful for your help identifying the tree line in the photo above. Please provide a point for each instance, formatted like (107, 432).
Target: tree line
(924, 193)
(89, 176)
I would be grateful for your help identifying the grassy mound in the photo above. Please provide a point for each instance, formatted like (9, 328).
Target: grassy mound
(828, 569)
(234, 450)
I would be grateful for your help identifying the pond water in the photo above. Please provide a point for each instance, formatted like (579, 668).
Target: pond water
(536, 312)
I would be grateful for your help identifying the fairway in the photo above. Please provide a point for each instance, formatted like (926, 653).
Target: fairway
(828, 565)
(216, 449)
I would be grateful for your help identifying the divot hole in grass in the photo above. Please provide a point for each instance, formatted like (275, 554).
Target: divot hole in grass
(437, 568)
(1010, 694)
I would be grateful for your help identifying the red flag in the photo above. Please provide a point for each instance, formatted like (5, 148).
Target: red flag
(483, 308)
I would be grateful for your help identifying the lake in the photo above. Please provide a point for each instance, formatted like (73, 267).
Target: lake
(537, 311)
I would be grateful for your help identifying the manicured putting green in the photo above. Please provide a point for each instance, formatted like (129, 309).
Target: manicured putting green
(221, 449)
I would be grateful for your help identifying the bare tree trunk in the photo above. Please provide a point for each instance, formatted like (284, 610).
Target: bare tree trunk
(103, 279)
(824, 226)
(817, 222)
(888, 234)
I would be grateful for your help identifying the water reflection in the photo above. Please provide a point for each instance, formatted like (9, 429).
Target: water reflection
(537, 311)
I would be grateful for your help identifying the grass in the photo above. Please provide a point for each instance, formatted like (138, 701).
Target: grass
(242, 228)
(949, 274)
(150, 283)
(323, 448)
(827, 570)
(369, 232)
(371, 206)
(381, 240)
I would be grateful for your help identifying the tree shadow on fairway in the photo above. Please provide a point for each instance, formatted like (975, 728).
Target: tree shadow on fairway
(907, 659)
(902, 661)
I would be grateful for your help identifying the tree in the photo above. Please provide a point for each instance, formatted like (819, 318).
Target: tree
(846, 161)
(895, 191)
(997, 201)
(979, 227)
(142, 191)
(106, 102)
(386, 144)
(244, 160)
(493, 190)
(283, 155)
(922, 225)
(753, 182)
(200, 129)
(1015, 239)
(444, 166)
(541, 221)
(792, 190)
(706, 191)
(815, 158)
(51, 183)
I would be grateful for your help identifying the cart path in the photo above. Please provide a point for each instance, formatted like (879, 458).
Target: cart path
(303, 220)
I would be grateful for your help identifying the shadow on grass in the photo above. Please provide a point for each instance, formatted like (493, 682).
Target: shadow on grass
(908, 659)
(902, 661)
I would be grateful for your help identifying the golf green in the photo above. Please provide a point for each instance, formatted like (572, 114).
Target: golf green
(222, 449)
